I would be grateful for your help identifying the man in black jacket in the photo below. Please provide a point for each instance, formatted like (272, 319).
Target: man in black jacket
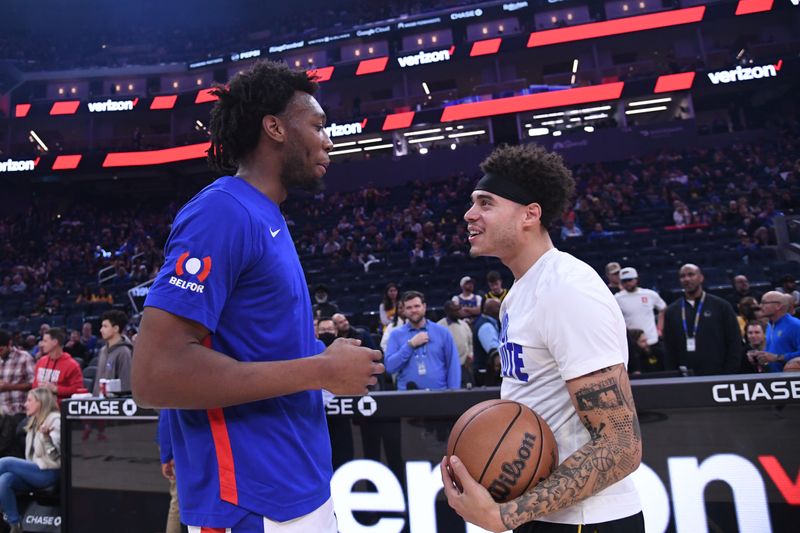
(700, 329)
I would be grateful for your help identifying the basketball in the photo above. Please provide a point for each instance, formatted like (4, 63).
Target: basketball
(505, 446)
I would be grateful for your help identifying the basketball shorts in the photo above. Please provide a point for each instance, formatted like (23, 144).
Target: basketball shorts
(629, 524)
(321, 520)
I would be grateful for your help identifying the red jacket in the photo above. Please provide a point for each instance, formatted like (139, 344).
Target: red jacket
(64, 372)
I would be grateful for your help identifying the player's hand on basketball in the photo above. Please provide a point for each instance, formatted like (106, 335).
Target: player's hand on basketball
(419, 339)
(350, 368)
(469, 498)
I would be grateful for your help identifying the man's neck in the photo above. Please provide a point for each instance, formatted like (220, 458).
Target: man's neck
(264, 176)
(466, 295)
(777, 317)
(116, 339)
(418, 325)
(694, 295)
(56, 354)
(528, 254)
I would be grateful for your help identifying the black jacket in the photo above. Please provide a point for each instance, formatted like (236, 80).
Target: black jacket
(719, 347)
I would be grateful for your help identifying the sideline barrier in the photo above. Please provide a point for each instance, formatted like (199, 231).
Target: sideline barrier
(720, 454)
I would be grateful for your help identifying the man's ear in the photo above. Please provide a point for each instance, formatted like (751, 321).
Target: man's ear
(533, 215)
(274, 128)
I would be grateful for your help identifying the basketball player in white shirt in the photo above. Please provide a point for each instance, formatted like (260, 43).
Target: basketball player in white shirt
(563, 350)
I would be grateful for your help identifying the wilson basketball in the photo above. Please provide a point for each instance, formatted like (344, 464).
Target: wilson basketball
(505, 446)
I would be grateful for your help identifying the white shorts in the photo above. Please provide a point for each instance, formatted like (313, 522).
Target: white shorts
(321, 520)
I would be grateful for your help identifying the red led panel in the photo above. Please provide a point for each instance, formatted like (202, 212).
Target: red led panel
(155, 157)
(616, 27)
(66, 162)
(530, 102)
(65, 108)
(484, 48)
(21, 110)
(204, 95)
(396, 121)
(164, 102)
(322, 74)
(371, 66)
(745, 7)
(674, 82)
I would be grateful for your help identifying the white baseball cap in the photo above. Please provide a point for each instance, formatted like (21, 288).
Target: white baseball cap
(628, 273)
(465, 280)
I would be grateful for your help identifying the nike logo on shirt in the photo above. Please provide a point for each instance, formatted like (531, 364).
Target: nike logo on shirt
(273, 233)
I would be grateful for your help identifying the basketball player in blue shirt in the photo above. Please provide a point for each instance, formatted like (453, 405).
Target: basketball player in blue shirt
(227, 335)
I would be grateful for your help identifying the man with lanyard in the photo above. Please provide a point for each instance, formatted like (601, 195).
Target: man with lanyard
(700, 330)
(783, 333)
(422, 353)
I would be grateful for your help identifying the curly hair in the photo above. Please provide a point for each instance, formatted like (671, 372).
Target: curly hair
(539, 172)
(235, 125)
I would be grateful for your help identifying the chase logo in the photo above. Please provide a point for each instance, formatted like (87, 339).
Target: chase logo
(193, 266)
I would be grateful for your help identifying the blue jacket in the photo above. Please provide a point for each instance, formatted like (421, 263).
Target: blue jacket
(783, 338)
(434, 365)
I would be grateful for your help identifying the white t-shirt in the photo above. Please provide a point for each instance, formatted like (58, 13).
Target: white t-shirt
(560, 322)
(637, 308)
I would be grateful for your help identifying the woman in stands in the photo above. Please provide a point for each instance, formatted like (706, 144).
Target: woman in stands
(42, 462)
(388, 307)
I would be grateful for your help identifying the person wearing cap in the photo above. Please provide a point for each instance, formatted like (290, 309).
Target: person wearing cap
(638, 307)
(322, 307)
(701, 332)
(469, 302)
(563, 351)
(788, 286)
(612, 277)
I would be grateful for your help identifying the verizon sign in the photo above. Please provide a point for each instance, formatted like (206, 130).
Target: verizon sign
(424, 58)
(12, 165)
(342, 130)
(112, 105)
(745, 73)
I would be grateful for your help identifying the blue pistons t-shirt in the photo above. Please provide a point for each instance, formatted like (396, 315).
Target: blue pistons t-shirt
(230, 264)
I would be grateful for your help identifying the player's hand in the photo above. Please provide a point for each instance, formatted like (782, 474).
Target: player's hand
(472, 501)
(168, 470)
(349, 368)
(419, 339)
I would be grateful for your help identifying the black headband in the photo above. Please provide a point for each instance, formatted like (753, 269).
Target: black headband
(506, 188)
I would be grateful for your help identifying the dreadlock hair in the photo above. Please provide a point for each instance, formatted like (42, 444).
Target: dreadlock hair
(235, 125)
(539, 172)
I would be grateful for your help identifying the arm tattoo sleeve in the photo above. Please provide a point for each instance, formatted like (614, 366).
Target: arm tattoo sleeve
(604, 404)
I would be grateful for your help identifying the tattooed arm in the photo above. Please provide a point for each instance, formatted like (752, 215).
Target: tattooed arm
(604, 403)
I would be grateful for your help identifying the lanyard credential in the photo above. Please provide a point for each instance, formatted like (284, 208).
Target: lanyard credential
(691, 344)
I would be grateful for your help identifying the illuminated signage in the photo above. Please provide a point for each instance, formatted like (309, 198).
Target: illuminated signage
(17, 166)
(745, 73)
(424, 58)
(417, 23)
(206, 62)
(112, 105)
(341, 130)
(472, 13)
(286, 46)
(513, 6)
(246, 55)
(329, 38)
(373, 31)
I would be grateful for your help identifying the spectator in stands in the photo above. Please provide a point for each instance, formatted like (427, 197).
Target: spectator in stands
(570, 230)
(19, 286)
(749, 311)
(612, 277)
(85, 296)
(88, 339)
(75, 347)
(326, 330)
(788, 286)
(681, 214)
(422, 353)
(398, 320)
(344, 329)
(639, 307)
(56, 369)
(496, 290)
(700, 329)
(388, 307)
(783, 333)
(115, 359)
(641, 358)
(462, 335)
(741, 289)
(16, 376)
(469, 302)
(322, 307)
(5, 288)
(102, 296)
(756, 341)
(485, 342)
(42, 462)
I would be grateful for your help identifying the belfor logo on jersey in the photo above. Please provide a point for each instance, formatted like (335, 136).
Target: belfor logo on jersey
(197, 268)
